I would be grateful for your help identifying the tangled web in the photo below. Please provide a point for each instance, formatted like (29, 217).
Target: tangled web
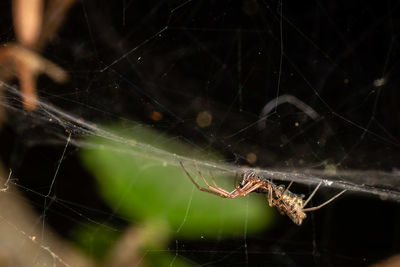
(299, 92)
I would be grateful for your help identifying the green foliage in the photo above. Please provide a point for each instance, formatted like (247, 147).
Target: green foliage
(96, 240)
(145, 185)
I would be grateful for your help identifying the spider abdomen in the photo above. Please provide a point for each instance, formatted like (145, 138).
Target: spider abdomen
(290, 204)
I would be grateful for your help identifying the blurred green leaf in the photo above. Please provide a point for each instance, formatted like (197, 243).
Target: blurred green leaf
(143, 187)
(96, 240)
(165, 259)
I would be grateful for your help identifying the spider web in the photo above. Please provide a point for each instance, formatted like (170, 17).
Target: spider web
(302, 93)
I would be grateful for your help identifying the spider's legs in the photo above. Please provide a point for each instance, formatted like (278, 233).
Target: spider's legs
(215, 192)
(270, 203)
(236, 182)
(325, 203)
(287, 189)
(246, 189)
(312, 194)
(212, 179)
(217, 189)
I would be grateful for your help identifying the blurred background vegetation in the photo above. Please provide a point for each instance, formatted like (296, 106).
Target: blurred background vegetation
(158, 197)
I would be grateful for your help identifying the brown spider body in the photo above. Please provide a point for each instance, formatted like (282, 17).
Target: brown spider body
(288, 203)
(285, 201)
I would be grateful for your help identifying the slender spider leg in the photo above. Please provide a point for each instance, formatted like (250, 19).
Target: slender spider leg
(270, 203)
(241, 191)
(286, 190)
(198, 186)
(247, 188)
(237, 188)
(216, 188)
(236, 182)
(312, 194)
(251, 189)
(238, 191)
(278, 203)
(325, 203)
(213, 180)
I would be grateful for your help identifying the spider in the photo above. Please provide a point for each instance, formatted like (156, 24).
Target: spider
(291, 204)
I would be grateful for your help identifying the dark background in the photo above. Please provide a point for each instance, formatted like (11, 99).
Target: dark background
(226, 57)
